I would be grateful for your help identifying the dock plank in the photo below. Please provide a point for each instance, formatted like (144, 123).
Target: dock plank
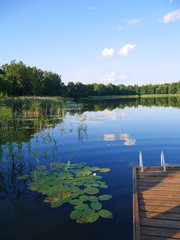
(161, 232)
(158, 197)
(155, 215)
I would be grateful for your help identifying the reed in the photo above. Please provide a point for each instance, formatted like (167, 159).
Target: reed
(6, 115)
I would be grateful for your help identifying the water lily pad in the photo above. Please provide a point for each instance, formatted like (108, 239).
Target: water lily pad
(93, 199)
(81, 192)
(86, 172)
(105, 197)
(35, 174)
(33, 188)
(88, 211)
(87, 185)
(83, 219)
(51, 200)
(23, 177)
(91, 190)
(82, 207)
(103, 186)
(75, 189)
(57, 204)
(62, 186)
(78, 165)
(57, 165)
(67, 200)
(96, 205)
(79, 184)
(105, 213)
(95, 185)
(94, 217)
(75, 195)
(41, 167)
(98, 177)
(105, 170)
(88, 218)
(84, 197)
(94, 168)
(76, 214)
(76, 202)
(65, 195)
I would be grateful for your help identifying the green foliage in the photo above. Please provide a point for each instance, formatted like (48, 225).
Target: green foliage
(23, 177)
(96, 205)
(105, 213)
(21, 80)
(41, 167)
(67, 183)
(91, 190)
(105, 170)
(105, 197)
(17, 79)
(6, 115)
(82, 207)
(76, 214)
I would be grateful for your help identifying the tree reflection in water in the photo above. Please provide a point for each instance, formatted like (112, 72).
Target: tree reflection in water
(26, 136)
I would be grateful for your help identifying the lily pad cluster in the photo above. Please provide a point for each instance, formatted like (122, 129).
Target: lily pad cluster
(76, 184)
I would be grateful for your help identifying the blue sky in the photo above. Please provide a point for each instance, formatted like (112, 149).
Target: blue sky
(102, 41)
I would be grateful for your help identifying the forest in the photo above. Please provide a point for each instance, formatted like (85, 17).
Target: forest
(17, 79)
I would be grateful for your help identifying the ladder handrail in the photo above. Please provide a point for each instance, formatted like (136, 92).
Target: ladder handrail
(163, 164)
(141, 162)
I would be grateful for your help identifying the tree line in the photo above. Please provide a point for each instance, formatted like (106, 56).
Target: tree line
(17, 79)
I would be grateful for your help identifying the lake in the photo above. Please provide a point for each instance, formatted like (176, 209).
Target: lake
(37, 137)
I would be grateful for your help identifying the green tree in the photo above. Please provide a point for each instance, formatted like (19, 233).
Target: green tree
(172, 88)
(99, 89)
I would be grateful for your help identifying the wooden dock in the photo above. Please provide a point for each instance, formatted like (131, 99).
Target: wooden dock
(156, 203)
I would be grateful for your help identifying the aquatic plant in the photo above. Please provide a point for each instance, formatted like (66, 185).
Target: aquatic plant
(75, 184)
(6, 115)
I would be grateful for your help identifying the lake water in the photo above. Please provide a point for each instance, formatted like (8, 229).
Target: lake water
(104, 134)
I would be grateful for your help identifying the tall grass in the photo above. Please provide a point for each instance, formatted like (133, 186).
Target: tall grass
(6, 115)
(112, 97)
(159, 95)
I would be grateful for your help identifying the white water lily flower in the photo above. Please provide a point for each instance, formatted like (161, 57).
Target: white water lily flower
(94, 174)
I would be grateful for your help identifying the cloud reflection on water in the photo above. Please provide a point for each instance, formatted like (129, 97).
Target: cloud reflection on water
(115, 114)
(120, 136)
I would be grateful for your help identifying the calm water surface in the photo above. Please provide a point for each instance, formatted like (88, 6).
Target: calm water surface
(103, 134)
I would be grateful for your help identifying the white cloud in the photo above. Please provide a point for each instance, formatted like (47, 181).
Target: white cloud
(109, 78)
(108, 52)
(133, 21)
(170, 1)
(114, 78)
(124, 76)
(171, 17)
(126, 49)
(92, 8)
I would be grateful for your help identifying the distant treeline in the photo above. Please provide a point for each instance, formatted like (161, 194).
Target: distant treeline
(17, 79)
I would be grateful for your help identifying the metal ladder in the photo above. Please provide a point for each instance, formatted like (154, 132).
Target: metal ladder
(163, 164)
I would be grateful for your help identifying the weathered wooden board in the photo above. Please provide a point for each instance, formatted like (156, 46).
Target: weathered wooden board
(155, 215)
(158, 198)
(136, 222)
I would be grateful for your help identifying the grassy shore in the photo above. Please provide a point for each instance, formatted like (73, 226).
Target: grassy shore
(55, 98)
(159, 95)
(132, 96)
(59, 98)
(111, 97)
